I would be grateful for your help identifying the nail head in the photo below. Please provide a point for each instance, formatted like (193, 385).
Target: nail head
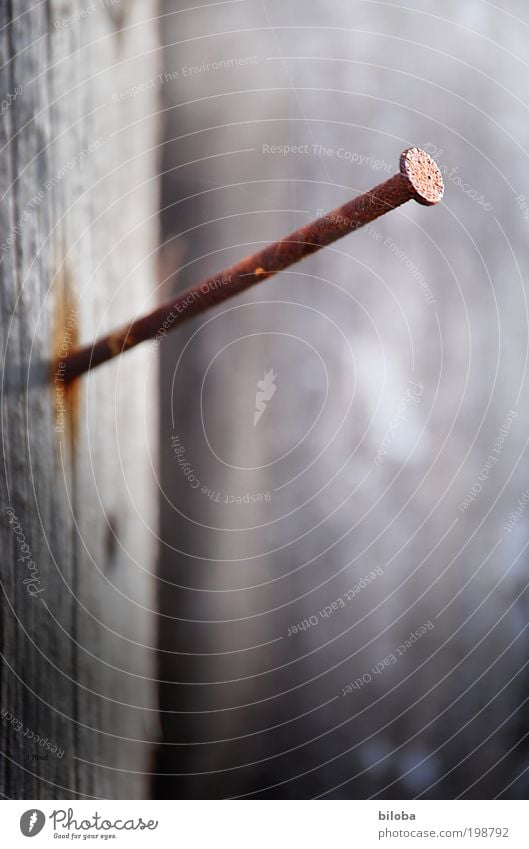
(423, 174)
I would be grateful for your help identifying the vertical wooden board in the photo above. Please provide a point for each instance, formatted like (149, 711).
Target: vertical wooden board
(43, 663)
(10, 743)
(80, 652)
(117, 522)
(73, 107)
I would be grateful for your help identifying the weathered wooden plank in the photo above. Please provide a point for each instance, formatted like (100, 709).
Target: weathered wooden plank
(79, 656)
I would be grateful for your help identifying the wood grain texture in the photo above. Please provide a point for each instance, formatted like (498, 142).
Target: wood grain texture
(78, 234)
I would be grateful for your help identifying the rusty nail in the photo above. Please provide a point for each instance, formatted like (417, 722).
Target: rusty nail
(418, 179)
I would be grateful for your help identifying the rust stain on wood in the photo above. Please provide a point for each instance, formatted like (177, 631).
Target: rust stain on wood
(65, 337)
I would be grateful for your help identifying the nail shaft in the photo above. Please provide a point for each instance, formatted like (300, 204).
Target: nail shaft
(419, 179)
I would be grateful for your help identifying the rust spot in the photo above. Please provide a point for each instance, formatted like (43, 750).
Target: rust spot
(115, 344)
(65, 337)
(119, 342)
(260, 272)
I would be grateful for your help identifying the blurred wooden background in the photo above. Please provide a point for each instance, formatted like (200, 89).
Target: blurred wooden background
(431, 301)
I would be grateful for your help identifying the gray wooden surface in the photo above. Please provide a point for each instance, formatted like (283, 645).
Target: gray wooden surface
(78, 190)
